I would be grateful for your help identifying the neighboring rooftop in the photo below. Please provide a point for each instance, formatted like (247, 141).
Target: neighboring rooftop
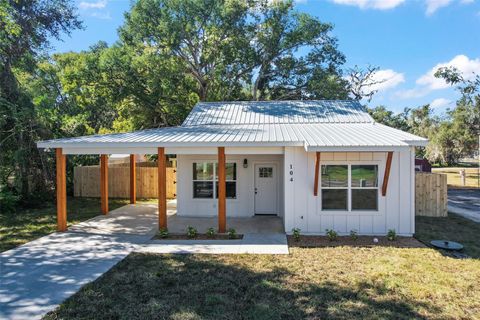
(275, 112)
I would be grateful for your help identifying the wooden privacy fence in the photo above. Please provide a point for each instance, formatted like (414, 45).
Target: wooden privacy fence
(86, 182)
(430, 194)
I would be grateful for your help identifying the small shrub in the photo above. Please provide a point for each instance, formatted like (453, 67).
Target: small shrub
(296, 234)
(232, 233)
(191, 232)
(354, 235)
(163, 233)
(8, 201)
(211, 233)
(391, 235)
(331, 234)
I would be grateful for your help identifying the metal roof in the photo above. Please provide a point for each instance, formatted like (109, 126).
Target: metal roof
(277, 112)
(315, 125)
(306, 135)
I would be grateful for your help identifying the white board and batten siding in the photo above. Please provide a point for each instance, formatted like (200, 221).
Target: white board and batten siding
(243, 205)
(303, 209)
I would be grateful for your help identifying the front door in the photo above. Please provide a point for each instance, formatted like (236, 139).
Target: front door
(265, 189)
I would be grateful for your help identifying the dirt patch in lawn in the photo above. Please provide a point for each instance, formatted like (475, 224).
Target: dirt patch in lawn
(361, 241)
(178, 236)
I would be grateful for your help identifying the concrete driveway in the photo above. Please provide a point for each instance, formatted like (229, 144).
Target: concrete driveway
(465, 202)
(38, 276)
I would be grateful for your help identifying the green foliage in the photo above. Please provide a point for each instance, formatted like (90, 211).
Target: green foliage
(210, 42)
(232, 233)
(163, 233)
(211, 233)
(331, 234)
(8, 201)
(354, 235)
(191, 232)
(391, 234)
(296, 234)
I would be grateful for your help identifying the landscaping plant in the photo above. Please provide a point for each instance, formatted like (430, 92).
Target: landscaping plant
(211, 232)
(331, 234)
(163, 233)
(232, 234)
(191, 232)
(354, 234)
(391, 235)
(296, 234)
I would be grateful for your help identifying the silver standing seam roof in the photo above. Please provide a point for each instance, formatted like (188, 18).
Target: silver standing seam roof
(316, 125)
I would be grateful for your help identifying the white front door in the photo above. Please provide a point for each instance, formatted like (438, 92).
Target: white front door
(265, 189)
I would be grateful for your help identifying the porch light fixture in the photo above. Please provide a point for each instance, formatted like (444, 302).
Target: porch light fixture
(245, 163)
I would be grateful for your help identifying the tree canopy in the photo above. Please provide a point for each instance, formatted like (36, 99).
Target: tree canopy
(170, 55)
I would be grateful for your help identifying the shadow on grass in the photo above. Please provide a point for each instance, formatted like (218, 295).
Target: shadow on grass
(28, 224)
(147, 286)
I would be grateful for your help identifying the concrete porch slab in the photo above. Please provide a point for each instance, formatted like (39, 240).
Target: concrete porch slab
(252, 243)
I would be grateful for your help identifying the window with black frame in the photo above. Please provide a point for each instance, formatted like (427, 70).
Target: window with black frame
(334, 187)
(349, 187)
(205, 176)
(364, 187)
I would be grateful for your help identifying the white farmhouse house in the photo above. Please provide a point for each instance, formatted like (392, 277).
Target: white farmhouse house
(316, 164)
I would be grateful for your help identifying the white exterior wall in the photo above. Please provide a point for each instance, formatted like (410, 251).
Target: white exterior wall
(303, 209)
(243, 205)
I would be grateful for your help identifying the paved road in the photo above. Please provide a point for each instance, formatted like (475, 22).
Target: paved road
(465, 202)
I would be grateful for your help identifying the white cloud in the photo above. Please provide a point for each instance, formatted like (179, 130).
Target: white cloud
(467, 1)
(411, 93)
(434, 5)
(440, 103)
(102, 15)
(371, 4)
(387, 79)
(467, 67)
(84, 5)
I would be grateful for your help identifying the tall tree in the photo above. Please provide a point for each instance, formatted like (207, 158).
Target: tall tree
(236, 49)
(25, 27)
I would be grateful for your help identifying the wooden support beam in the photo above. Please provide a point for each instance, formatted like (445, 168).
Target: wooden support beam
(162, 189)
(317, 173)
(388, 165)
(104, 182)
(222, 215)
(61, 190)
(133, 179)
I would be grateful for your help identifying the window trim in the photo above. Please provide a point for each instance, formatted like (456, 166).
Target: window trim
(349, 211)
(214, 180)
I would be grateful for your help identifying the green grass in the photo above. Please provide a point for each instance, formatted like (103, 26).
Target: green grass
(27, 225)
(453, 228)
(453, 177)
(316, 283)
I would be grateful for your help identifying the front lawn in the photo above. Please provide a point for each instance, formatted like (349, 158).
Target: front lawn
(453, 228)
(27, 225)
(312, 283)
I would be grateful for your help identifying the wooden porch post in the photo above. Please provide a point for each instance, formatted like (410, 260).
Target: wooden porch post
(317, 168)
(222, 219)
(387, 173)
(162, 189)
(104, 183)
(61, 190)
(133, 179)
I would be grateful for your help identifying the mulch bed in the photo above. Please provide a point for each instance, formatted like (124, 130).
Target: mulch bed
(200, 236)
(362, 241)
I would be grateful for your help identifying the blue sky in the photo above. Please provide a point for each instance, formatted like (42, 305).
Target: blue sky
(407, 39)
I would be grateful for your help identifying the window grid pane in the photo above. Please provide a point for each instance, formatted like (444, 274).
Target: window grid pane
(349, 187)
(203, 180)
(334, 176)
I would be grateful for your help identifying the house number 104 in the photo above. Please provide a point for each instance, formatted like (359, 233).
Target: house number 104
(291, 173)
